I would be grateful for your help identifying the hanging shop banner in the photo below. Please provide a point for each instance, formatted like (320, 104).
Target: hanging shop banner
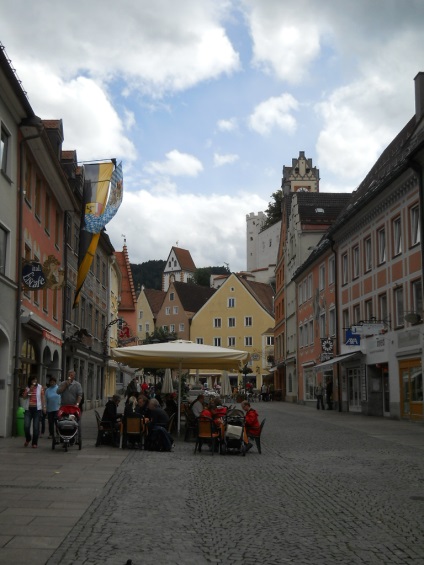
(32, 275)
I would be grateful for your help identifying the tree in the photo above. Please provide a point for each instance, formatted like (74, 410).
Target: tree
(202, 275)
(273, 211)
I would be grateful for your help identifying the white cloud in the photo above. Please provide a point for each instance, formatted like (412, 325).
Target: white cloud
(274, 113)
(220, 160)
(153, 48)
(285, 38)
(212, 227)
(227, 125)
(176, 164)
(91, 124)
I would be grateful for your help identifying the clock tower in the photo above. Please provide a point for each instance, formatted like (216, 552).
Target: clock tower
(301, 176)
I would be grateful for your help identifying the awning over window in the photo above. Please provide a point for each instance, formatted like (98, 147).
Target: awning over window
(338, 359)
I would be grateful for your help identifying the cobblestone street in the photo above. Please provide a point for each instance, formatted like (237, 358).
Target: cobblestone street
(328, 488)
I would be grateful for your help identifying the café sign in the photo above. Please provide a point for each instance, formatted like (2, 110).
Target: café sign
(33, 276)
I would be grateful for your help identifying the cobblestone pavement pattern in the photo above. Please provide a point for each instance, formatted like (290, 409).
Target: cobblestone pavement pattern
(329, 488)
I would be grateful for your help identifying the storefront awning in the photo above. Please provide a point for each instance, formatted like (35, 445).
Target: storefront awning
(338, 359)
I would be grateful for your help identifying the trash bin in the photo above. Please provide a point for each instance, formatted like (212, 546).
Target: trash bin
(20, 421)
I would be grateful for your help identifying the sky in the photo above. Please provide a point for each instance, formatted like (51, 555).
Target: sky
(205, 101)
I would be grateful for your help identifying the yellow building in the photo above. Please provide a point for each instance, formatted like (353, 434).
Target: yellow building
(239, 315)
(149, 302)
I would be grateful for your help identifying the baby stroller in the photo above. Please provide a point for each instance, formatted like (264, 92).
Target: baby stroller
(67, 428)
(233, 441)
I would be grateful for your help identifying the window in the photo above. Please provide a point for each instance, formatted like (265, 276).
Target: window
(175, 310)
(368, 254)
(171, 296)
(199, 340)
(231, 322)
(3, 249)
(356, 314)
(231, 342)
(415, 226)
(47, 214)
(36, 294)
(382, 306)
(96, 323)
(311, 332)
(57, 229)
(83, 312)
(397, 237)
(381, 245)
(217, 341)
(301, 338)
(356, 262)
(231, 302)
(140, 327)
(104, 273)
(97, 267)
(346, 323)
(147, 327)
(417, 297)
(172, 328)
(322, 325)
(90, 319)
(247, 321)
(398, 298)
(331, 271)
(270, 340)
(300, 293)
(167, 311)
(345, 269)
(28, 181)
(181, 327)
(322, 276)
(37, 203)
(332, 322)
(4, 151)
(140, 315)
(45, 300)
(76, 238)
(309, 286)
(248, 341)
(217, 322)
(368, 310)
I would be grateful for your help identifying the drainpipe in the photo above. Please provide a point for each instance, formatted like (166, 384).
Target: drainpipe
(35, 123)
(336, 304)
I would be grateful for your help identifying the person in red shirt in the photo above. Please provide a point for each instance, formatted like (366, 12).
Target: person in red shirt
(251, 422)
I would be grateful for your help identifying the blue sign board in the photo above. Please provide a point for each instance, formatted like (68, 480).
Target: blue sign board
(352, 339)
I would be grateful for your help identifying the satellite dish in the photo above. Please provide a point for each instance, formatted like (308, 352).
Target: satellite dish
(412, 318)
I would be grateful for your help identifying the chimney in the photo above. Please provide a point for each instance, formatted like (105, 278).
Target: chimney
(419, 96)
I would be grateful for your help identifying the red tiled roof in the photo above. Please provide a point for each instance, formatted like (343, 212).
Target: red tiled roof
(193, 296)
(184, 259)
(128, 296)
(262, 292)
(155, 299)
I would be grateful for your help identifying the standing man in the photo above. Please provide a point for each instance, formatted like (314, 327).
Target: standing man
(329, 392)
(319, 395)
(70, 390)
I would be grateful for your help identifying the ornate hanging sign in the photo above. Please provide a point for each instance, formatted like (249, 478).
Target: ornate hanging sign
(32, 275)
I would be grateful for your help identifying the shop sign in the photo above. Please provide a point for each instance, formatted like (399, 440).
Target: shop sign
(352, 338)
(33, 276)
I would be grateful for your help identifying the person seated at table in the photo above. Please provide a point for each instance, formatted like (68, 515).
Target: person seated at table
(251, 420)
(111, 415)
(197, 405)
(142, 408)
(130, 407)
(219, 409)
(158, 416)
(171, 407)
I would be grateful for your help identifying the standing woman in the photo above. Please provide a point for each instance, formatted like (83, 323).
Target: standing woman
(52, 404)
(34, 405)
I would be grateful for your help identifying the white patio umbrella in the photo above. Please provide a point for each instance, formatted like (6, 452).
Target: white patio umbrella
(225, 385)
(168, 386)
(179, 354)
